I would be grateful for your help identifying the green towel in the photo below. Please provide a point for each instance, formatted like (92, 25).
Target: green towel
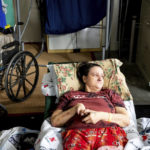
(10, 20)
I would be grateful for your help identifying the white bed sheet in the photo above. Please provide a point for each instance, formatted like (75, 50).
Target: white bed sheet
(50, 137)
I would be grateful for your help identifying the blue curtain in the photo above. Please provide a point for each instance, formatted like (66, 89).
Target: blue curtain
(67, 16)
(2, 17)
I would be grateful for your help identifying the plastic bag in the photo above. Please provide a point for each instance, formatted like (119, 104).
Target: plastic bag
(17, 138)
(48, 87)
(49, 137)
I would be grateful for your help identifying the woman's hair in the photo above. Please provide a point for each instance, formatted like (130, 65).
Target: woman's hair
(83, 70)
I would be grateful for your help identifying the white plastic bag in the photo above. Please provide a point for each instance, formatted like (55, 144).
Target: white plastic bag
(48, 87)
(11, 139)
(49, 137)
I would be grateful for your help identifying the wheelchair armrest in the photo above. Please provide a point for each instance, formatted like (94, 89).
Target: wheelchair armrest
(14, 43)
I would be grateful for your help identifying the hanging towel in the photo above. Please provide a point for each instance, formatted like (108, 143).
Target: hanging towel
(67, 16)
(10, 19)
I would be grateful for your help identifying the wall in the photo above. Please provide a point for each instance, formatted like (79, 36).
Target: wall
(143, 48)
(114, 42)
(33, 30)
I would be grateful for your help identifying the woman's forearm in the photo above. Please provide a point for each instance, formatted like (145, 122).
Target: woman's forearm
(121, 119)
(61, 118)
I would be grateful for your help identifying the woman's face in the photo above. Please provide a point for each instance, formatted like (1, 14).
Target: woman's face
(94, 80)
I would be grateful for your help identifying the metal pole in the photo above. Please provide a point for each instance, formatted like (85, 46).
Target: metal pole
(132, 38)
(103, 52)
(18, 20)
(105, 48)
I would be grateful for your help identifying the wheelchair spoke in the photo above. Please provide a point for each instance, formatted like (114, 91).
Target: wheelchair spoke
(17, 65)
(13, 83)
(28, 65)
(19, 68)
(19, 87)
(13, 75)
(29, 82)
(23, 64)
(24, 88)
(30, 73)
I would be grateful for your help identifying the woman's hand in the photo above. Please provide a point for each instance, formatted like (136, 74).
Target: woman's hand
(91, 116)
(80, 109)
(121, 117)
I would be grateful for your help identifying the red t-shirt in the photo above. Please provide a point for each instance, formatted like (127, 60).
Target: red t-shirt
(105, 101)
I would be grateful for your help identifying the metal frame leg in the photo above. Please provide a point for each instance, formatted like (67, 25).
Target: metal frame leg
(18, 19)
(105, 48)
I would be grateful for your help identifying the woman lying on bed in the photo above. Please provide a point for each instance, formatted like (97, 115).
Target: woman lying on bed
(93, 116)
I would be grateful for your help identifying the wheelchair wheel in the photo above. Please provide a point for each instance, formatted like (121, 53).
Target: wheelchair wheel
(21, 76)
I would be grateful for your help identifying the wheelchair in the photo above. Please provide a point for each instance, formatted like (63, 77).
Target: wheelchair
(19, 70)
(18, 73)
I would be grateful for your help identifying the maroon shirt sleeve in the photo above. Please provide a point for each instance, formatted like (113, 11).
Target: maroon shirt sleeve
(63, 101)
(116, 99)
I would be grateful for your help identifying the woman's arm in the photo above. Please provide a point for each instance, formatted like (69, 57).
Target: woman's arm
(60, 117)
(121, 117)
